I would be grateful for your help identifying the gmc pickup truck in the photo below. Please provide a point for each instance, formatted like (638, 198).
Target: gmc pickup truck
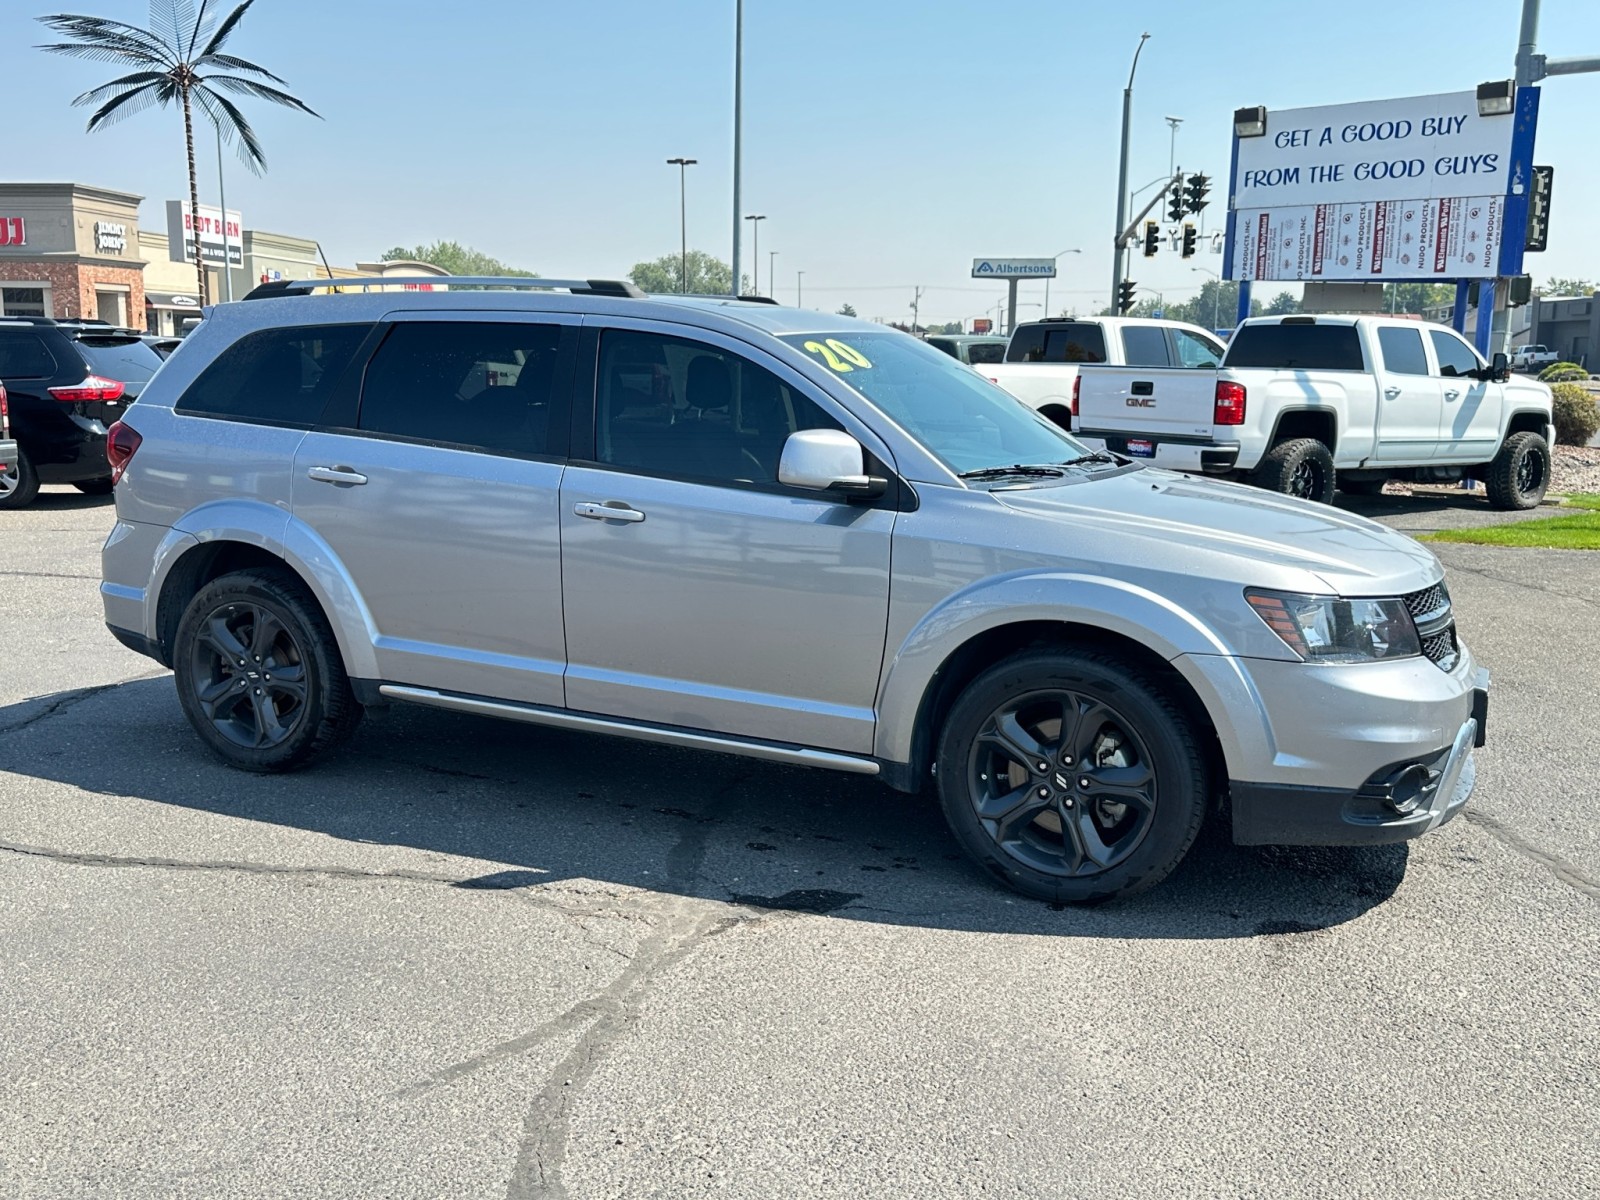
(1307, 404)
(1532, 358)
(1043, 358)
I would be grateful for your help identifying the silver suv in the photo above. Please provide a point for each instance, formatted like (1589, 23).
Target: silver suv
(772, 532)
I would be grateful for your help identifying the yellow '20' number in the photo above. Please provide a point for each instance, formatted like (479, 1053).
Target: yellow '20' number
(839, 356)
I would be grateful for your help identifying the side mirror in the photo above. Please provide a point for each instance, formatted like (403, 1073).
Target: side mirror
(827, 460)
(1500, 368)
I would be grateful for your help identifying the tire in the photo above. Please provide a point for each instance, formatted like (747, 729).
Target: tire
(19, 485)
(268, 623)
(1128, 725)
(1362, 487)
(1520, 472)
(1299, 467)
(94, 487)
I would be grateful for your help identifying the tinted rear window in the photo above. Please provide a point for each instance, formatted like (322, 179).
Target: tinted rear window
(1058, 342)
(126, 359)
(23, 355)
(279, 376)
(1296, 347)
(986, 352)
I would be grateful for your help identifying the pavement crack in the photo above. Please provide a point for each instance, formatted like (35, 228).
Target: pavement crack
(46, 575)
(75, 858)
(1566, 872)
(65, 700)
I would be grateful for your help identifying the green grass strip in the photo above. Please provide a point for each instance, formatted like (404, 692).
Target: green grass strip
(1571, 531)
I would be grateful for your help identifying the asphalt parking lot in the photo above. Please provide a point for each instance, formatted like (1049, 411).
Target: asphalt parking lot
(468, 958)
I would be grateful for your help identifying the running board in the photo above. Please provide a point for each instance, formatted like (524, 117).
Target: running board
(664, 734)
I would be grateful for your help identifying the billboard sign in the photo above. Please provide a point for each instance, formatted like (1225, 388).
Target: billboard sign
(1013, 268)
(982, 325)
(1408, 189)
(180, 234)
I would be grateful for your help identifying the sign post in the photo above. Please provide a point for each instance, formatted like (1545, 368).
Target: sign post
(1013, 269)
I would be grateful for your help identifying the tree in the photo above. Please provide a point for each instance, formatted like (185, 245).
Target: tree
(847, 310)
(708, 275)
(1569, 287)
(457, 259)
(178, 58)
(1282, 305)
(1416, 297)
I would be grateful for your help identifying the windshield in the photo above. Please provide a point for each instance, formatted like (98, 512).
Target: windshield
(967, 422)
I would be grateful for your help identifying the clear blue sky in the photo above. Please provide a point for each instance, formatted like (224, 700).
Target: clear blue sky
(888, 141)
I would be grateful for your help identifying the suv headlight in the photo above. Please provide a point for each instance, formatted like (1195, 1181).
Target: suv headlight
(1333, 630)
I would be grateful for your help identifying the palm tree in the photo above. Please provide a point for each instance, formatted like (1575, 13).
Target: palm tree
(178, 58)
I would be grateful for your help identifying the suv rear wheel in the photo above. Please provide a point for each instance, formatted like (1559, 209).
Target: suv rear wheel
(1520, 473)
(259, 674)
(1071, 776)
(1299, 467)
(20, 484)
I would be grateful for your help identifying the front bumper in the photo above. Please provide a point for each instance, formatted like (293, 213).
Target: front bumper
(1401, 800)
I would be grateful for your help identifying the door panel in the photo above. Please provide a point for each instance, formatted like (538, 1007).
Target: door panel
(1470, 427)
(1410, 405)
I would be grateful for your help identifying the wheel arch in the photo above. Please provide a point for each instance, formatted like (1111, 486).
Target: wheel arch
(1319, 423)
(1529, 420)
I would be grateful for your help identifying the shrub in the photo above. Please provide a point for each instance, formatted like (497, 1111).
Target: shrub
(1558, 372)
(1577, 416)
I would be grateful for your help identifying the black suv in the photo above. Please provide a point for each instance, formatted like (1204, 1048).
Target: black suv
(66, 382)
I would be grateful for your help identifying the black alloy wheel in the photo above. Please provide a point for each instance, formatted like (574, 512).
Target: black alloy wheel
(248, 675)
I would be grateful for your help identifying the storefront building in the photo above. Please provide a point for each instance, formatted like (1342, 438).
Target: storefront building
(70, 250)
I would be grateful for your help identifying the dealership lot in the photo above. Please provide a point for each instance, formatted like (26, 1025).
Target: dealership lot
(477, 958)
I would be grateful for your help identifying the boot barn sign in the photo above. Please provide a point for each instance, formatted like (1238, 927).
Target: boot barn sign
(1423, 188)
(180, 234)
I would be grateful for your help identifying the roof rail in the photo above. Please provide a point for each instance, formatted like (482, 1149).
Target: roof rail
(362, 283)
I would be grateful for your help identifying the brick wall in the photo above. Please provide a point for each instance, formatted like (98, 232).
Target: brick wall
(72, 286)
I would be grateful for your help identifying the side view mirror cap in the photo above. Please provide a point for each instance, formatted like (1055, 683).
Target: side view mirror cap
(827, 460)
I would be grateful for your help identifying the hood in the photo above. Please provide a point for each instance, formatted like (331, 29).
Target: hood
(1161, 518)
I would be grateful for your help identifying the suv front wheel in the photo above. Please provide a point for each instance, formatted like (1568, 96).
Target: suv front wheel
(1071, 776)
(259, 674)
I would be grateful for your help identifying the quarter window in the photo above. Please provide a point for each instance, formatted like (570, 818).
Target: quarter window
(1455, 356)
(669, 406)
(277, 376)
(1402, 350)
(488, 385)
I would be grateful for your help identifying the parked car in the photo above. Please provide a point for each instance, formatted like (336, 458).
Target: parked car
(1044, 358)
(67, 383)
(1533, 358)
(776, 533)
(1307, 404)
(975, 349)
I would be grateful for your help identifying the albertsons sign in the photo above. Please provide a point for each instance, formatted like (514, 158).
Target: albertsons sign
(1388, 189)
(1013, 268)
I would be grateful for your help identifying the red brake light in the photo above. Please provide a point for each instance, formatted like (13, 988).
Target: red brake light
(121, 441)
(1076, 381)
(1229, 409)
(92, 388)
(5, 409)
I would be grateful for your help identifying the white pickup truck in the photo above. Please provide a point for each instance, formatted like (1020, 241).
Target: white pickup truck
(1043, 358)
(1307, 404)
(1532, 358)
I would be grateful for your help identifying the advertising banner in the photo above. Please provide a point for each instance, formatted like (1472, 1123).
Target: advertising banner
(180, 234)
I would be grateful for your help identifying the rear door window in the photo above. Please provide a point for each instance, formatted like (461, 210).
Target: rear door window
(23, 355)
(1296, 348)
(1058, 342)
(489, 385)
(1402, 350)
(277, 376)
(1145, 346)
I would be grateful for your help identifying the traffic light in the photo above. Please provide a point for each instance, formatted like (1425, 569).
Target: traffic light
(1189, 236)
(1175, 198)
(1538, 232)
(1195, 195)
(1125, 295)
(1520, 291)
(1152, 234)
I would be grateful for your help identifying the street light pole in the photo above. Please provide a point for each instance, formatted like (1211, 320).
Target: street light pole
(1122, 176)
(772, 273)
(755, 253)
(738, 95)
(1053, 258)
(683, 218)
(799, 277)
(227, 267)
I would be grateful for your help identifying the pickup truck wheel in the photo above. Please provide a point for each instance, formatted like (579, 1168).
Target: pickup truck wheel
(1071, 776)
(259, 674)
(20, 484)
(1520, 473)
(1299, 467)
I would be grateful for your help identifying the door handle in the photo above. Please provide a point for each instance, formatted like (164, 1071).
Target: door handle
(611, 510)
(347, 476)
(1391, 392)
(1452, 394)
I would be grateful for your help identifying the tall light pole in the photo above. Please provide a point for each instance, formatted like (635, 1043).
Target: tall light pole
(1172, 152)
(738, 96)
(1122, 176)
(1053, 258)
(799, 278)
(772, 273)
(222, 196)
(755, 252)
(683, 164)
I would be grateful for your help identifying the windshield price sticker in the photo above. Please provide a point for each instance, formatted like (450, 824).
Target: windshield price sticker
(841, 357)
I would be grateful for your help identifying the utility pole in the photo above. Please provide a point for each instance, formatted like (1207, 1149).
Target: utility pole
(799, 277)
(683, 164)
(755, 253)
(738, 95)
(1122, 174)
(1172, 152)
(227, 267)
(772, 273)
(916, 300)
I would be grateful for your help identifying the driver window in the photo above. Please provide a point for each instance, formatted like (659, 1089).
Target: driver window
(1456, 358)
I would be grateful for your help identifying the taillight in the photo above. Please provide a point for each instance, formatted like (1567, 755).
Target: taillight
(5, 410)
(121, 441)
(1077, 381)
(92, 388)
(1229, 408)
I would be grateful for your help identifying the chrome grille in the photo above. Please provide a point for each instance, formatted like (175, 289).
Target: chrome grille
(1436, 626)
